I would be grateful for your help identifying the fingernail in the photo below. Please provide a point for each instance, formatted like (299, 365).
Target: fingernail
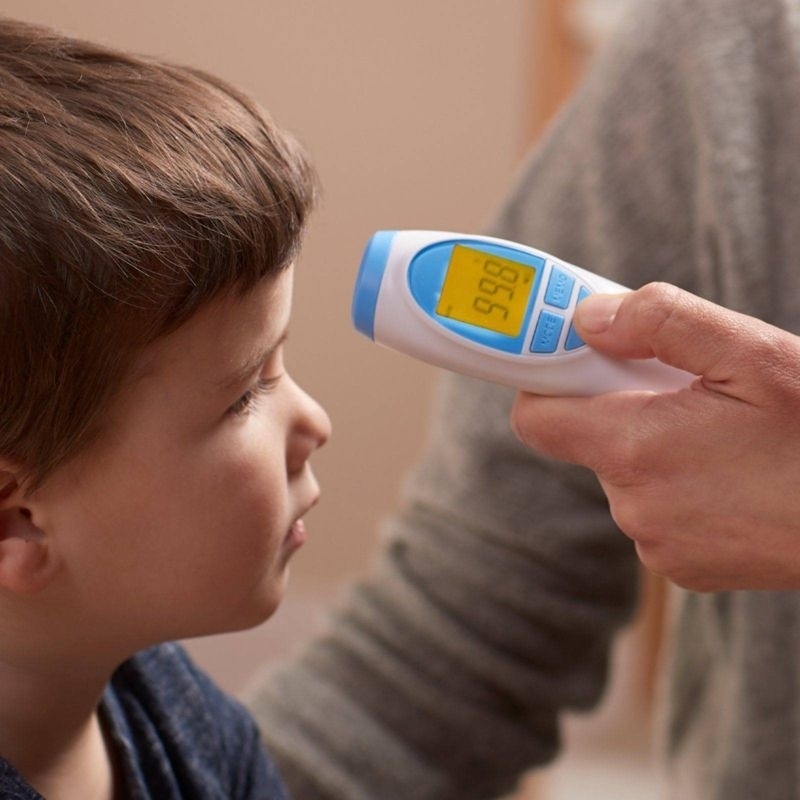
(596, 313)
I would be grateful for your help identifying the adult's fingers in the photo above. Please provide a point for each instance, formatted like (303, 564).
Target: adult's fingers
(591, 431)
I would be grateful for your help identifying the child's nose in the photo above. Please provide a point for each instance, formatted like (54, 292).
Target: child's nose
(319, 422)
(311, 429)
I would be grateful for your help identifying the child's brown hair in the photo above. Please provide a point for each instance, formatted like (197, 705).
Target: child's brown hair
(131, 193)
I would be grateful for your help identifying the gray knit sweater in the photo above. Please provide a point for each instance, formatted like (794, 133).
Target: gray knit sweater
(502, 579)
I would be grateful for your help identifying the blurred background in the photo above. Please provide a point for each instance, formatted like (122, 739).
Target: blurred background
(416, 115)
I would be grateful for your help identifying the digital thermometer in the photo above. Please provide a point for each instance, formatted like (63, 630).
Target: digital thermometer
(492, 309)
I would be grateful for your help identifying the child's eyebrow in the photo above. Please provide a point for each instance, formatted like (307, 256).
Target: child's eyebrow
(251, 365)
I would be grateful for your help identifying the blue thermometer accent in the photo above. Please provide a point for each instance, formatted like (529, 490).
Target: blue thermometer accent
(368, 285)
(492, 309)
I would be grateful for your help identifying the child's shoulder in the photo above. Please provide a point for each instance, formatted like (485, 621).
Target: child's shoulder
(172, 725)
(164, 678)
(13, 786)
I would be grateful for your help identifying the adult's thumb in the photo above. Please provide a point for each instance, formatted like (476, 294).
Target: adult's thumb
(664, 322)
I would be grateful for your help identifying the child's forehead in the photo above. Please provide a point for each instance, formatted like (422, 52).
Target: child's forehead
(223, 336)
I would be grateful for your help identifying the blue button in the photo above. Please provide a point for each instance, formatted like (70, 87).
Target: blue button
(559, 288)
(547, 333)
(573, 340)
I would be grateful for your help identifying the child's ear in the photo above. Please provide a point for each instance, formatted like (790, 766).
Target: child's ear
(26, 564)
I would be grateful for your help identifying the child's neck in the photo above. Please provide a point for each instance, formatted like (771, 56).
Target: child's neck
(50, 731)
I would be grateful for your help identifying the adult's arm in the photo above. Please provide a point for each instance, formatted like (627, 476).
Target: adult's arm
(499, 586)
(502, 579)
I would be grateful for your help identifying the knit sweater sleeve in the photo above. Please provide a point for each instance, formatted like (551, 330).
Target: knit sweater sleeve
(502, 579)
(490, 610)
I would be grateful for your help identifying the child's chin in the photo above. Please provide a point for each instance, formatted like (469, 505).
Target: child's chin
(264, 605)
(258, 611)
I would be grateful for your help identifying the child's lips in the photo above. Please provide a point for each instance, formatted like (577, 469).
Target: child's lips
(297, 535)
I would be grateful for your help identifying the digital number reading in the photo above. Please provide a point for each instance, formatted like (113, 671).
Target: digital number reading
(486, 290)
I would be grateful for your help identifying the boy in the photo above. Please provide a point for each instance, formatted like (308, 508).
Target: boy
(153, 450)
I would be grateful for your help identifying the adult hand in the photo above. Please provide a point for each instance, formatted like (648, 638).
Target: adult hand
(706, 480)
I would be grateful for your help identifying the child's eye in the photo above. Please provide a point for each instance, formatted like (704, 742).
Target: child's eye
(249, 399)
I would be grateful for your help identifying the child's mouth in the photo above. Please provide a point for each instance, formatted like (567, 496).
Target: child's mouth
(297, 535)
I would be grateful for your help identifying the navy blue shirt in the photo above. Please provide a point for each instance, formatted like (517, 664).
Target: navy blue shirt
(175, 736)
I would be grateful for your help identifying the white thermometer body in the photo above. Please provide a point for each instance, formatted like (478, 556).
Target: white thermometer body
(494, 310)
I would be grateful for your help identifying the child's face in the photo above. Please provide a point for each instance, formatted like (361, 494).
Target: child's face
(182, 520)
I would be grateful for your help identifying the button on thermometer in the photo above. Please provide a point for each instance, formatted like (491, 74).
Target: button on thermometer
(494, 310)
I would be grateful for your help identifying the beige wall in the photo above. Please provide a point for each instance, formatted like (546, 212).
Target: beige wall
(415, 113)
